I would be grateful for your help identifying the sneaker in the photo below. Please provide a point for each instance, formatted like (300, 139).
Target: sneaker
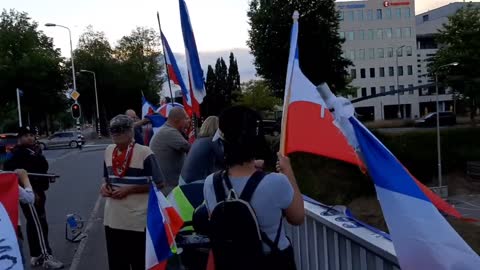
(50, 262)
(36, 261)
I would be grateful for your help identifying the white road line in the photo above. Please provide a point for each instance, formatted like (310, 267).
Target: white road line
(78, 254)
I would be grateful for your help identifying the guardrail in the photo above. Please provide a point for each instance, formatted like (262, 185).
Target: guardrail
(330, 240)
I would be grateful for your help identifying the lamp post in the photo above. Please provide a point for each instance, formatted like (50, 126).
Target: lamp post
(96, 99)
(439, 155)
(399, 113)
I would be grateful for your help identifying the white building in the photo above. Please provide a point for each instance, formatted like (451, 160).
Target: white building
(376, 33)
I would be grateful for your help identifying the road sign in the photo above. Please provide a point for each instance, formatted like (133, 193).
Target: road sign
(75, 95)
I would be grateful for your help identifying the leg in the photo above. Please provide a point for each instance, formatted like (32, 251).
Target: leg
(42, 216)
(118, 249)
(137, 240)
(36, 240)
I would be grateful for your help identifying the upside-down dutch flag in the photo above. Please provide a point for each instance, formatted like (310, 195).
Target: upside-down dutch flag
(196, 80)
(163, 224)
(147, 108)
(9, 195)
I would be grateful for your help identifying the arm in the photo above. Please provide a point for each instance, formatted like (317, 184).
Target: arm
(26, 194)
(179, 143)
(141, 122)
(295, 213)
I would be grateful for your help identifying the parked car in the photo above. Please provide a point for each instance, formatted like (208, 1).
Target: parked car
(271, 127)
(7, 141)
(62, 139)
(430, 120)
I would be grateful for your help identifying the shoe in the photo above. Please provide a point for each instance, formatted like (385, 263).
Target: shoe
(36, 261)
(49, 262)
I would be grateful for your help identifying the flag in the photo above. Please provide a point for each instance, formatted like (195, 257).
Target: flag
(9, 195)
(307, 124)
(422, 237)
(147, 108)
(156, 121)
(175, 75)
(165, 109)
(163, 223)
(10, 257)
(196, 80)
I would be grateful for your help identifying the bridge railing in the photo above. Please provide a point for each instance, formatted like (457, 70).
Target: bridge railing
(329, 240)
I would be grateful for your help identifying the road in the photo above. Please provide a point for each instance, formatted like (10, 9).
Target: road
(76, 191)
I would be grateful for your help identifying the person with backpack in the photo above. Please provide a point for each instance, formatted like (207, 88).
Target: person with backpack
(247, 206)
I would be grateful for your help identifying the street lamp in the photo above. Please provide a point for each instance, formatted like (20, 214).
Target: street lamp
(439, 155)
(399, 113)
(96, 99)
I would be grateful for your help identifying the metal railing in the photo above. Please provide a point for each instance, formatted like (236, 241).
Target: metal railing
(329, 240)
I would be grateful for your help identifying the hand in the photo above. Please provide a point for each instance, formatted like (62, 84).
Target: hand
(283, 164)
(106, 191)
(120, 192)
(259, 164)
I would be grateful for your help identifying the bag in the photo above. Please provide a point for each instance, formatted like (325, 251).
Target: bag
(236, 238)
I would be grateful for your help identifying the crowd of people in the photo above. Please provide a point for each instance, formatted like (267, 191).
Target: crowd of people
(218, 185)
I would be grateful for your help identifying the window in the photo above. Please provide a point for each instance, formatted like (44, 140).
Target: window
(359, 15)
(388, 33)
(379, 14)
(350, 36)
(372, 72)
(360, 35)
(370, 34)
(392, 88)
(406, 12)
(400, 71)
(371, 53)
(364, 92)
(409, 70)
(391, 72)
(398, 12)
(425, 18)
(361, 54)
(388, 13)
(407, 32)
(398, 33)
(401, 87)
(353, 73)
(399, 52)
(382, 89)
(340, 15)
(379, 34)
(411, 90)
(351, 54)
(373, 91)
(390, 52)
(409, 51)
(369, 15)
(349, 16)
(380, 53)
(342, 34)
(362, 73)
(382, 72)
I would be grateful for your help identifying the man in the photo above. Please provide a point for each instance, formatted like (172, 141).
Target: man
(170, 147)
(28, 157)
(128, 169)
(137, 125)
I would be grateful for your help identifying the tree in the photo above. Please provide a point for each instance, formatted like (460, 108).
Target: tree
(28, 61)
(460, 41)
(318, 41)
(259, 96)
(233, 80)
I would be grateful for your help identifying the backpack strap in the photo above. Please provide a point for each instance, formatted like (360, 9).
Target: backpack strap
(252, 185)
(273, 244)
(218, 187)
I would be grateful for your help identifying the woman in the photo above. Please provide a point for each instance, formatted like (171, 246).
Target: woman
(277, 194)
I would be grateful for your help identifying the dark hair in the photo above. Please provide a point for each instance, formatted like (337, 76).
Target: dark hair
(242, 134)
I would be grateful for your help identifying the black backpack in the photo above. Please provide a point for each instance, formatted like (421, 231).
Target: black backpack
(236, 238)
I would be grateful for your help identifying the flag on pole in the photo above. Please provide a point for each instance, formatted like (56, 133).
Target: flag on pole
(163, 224)
(196, 80)
(147, 108)
(9, 195)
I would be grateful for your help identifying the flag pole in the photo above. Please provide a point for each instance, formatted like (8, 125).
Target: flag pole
(165, 57)
(19, 108)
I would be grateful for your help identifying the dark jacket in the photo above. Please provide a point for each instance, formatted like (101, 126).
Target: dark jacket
(31, 160)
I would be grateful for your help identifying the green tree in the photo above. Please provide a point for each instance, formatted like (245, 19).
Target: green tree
(319, 43)
(28, 61)
(461, 43)
(233, 80)
(259, 96)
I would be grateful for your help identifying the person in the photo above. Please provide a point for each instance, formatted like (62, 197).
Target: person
(170, 147)
(275, 196)
(25, 196)
(128, 169)
(137, 126)
(29, 157)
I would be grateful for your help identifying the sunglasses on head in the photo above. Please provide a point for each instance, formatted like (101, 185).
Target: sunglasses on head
(118, 129)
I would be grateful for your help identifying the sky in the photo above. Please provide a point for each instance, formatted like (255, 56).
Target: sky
(218, 24)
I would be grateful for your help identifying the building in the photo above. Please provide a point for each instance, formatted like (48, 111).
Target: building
(377, 35)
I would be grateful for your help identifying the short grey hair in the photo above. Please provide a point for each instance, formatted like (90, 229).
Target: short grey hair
(121, 120)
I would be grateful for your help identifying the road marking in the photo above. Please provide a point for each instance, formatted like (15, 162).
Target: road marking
(78, 253)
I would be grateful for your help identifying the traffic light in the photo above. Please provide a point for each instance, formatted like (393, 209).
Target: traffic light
(75, 111)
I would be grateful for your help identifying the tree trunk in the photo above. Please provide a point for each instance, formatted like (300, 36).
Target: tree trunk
(47, 124)
(473, 112)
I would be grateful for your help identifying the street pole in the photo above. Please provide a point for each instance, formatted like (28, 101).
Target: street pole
(96, 100)
(19, 108)
(399, 113)
(439, 155)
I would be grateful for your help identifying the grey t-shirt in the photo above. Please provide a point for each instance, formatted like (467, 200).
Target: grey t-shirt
(273, 194)
(170, 149)
(205, 157)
